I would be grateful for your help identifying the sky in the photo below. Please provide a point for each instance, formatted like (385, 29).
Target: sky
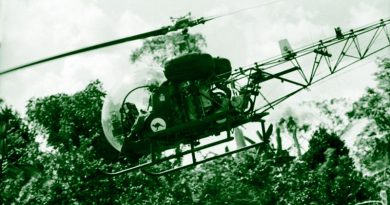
(34, 29)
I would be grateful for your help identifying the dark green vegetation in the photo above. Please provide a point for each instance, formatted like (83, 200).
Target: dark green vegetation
(68, 174)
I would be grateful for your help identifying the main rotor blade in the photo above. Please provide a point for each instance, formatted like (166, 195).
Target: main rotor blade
(157, 32)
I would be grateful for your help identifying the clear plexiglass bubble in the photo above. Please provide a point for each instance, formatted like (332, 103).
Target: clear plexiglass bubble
(113, 122)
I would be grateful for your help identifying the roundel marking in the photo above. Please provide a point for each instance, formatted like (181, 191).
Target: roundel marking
(158, 124)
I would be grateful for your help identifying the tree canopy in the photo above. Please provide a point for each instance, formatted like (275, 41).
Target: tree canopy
(374, 142)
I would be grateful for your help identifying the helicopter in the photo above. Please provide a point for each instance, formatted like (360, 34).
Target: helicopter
(204, 96)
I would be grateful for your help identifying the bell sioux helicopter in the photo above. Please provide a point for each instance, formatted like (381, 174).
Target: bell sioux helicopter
(204, 96)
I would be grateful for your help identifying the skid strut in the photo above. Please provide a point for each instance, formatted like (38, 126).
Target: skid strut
(192, 151)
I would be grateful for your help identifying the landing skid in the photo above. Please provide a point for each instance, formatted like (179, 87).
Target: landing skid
(195, 162)
(266, 133)
(155, 161)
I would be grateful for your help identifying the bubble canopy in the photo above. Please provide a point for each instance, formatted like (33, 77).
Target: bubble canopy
(121, 107)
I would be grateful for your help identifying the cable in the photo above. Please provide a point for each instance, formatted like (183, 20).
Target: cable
(245, 9)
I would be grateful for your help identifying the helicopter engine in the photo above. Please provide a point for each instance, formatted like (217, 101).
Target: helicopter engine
(193, 90)
(198, 79)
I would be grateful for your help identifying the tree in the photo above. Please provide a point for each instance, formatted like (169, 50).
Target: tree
(374, 143)
(318, 145)
(70, 174)
(17, 147)
(326, 175)
(162, 48)
(291, 125)
(66, 119)
(332, 114)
